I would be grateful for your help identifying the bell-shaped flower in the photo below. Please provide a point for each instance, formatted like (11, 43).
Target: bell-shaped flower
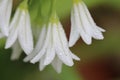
(5, 13)
(20, 29)
(52, 47)
(82, 25)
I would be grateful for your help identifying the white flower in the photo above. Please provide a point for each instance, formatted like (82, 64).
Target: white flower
(5, 13)
(52, 48)
(20, 28)
(82, 25)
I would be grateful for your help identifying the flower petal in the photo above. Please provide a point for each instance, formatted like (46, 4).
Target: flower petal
(49, 55)
(75, 57)
(97, 34)
(39, 45)
(11, 38)
(13, 30)
(86, 38)
(6, 8)
(59, 47)
(43, 50)
(57, 64)
(101, 29)
(84, 20)
(88, 14)
(41, 39)
(25, 34)
(41, 63)
(74, 35)
(16, 51)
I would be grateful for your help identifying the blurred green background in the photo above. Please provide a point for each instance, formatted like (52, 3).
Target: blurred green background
(99, 61)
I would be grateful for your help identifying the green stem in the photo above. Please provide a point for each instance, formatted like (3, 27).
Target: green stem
(53, 7)
(39, 14)
(40, 18)
(24, 4)
(76, 1)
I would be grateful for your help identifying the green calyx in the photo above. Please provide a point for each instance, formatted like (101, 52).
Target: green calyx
(54, 18)
(77, 1)
(24, 5)
(53, 15)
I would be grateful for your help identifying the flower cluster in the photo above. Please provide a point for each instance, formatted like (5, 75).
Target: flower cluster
(52, 46)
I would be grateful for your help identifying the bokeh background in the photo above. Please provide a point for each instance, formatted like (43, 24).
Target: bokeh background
(99, 61)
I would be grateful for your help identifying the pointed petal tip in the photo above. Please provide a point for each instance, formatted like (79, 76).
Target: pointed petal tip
(25, 59)
(41, 69)
(101, 29)
(28, 50)
(70, 44)
(70, 64)
(58, 71)
(88, 43)
(13, 58)
(101, 38)
(78, 59)
(33, 62)
(46, 63)
(73, 39)
(75, 57)
(7, 46)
